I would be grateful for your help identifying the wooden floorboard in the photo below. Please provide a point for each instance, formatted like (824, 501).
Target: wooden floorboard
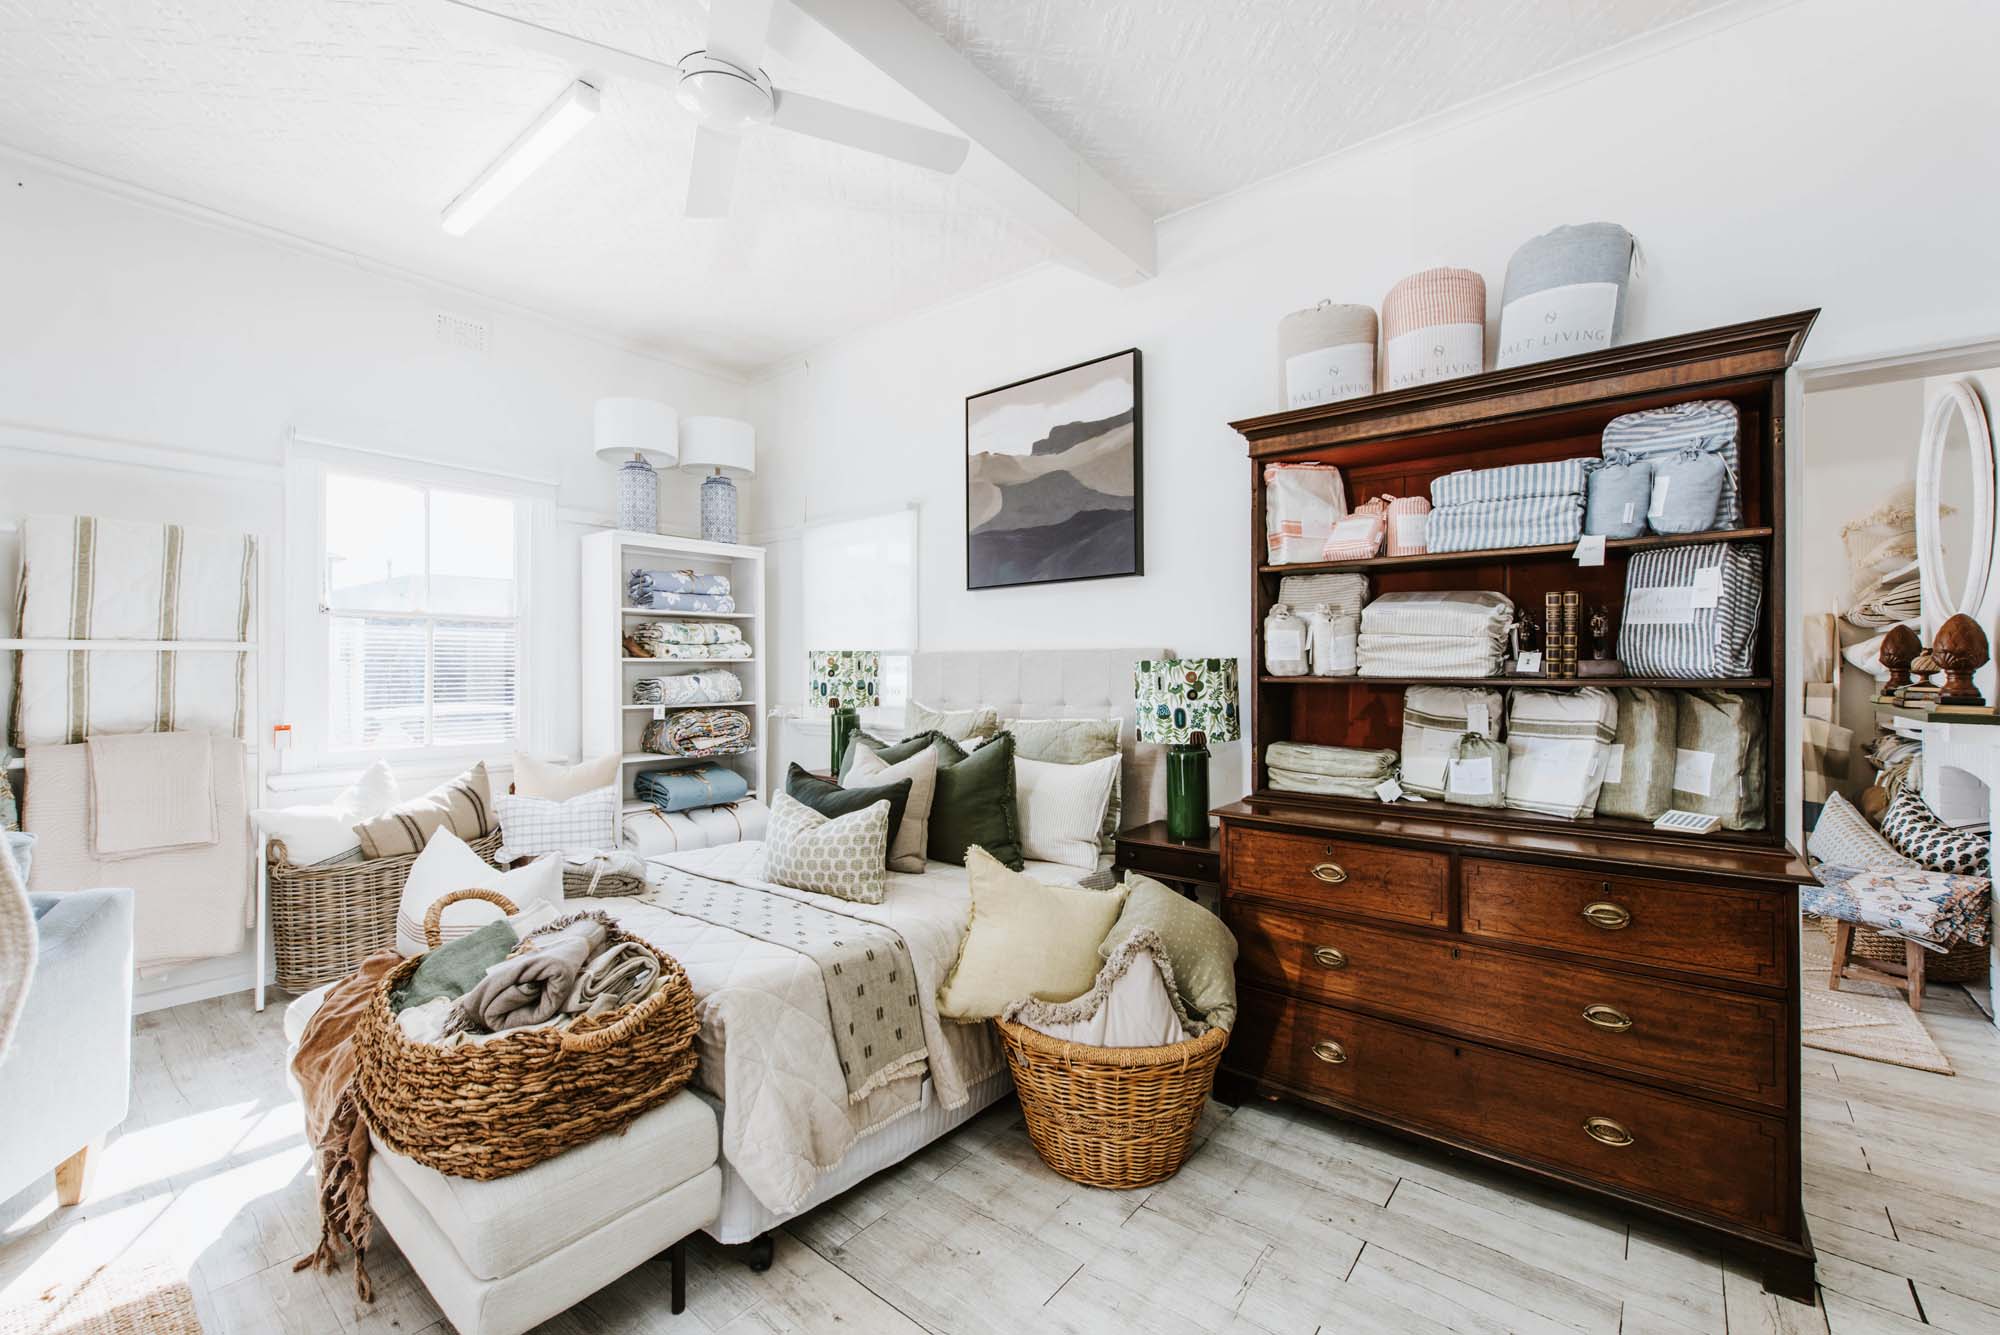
(1285, 1221)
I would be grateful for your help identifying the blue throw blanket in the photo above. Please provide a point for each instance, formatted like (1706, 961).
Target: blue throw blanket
(643, 584)
(686, 789)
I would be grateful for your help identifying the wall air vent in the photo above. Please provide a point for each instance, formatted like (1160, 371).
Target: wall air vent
(461, 332)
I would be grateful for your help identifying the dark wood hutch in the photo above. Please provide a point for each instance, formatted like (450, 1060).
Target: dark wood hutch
(1591, 1002)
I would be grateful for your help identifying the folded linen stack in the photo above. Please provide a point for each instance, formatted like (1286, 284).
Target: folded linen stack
(1300, 767)
(1558, 747)
(699, 732)
(687, 789)
(1521, 505)
(1338, 593)
(656, 833)
(1456, 633)
(1692, 611)
(1436, 719)
(717, 687)
(689, 639)
(1719, 757)
(1706, 429)
(679, 591)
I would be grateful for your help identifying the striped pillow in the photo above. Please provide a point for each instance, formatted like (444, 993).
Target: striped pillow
(464, 806)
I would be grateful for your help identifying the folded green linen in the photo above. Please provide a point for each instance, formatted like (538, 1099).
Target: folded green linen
(454, 967)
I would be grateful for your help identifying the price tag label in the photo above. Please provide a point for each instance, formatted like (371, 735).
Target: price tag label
(1528, 663)
(1388, 790)
(1478, 718)
(1590, 551)
(1472, 778)
(1707, 587)
(659, 712)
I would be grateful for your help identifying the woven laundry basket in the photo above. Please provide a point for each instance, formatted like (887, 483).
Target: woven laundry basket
(326, 920)
(485, 1110)
(1112, 1117)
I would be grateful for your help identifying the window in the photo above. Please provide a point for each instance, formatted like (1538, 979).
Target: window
(417, 581)
(860, 590)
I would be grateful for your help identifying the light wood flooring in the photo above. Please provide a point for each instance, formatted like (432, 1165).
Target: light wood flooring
(1285, 1221)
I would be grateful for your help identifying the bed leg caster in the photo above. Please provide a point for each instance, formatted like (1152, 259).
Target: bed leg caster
(758, 1252)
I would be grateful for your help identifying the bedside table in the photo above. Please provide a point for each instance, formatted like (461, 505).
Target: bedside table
(1148, 850)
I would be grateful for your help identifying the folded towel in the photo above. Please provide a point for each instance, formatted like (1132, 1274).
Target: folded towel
(428, 1023)
(718, 686)
(531, 986)
(1473, 486)
(1333, 762)
(150, 792)
(698, 732)
(639, 582)
(621, 976)
(686, 789)
(455, 968)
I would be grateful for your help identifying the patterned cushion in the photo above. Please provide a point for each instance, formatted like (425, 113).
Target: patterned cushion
(1844, 838)
(1198, 944)
(532, 826)
(464, 806)
(1934, 909)
(1916, 833)
(842, 857)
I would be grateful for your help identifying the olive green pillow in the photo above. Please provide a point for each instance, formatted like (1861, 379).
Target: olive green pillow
(895, 752)
(1199, 946)
(974, 804)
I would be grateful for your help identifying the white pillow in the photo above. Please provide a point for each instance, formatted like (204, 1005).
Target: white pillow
(447, 864)
(1061, 809)
(557, 782)
(532, 826)
(869, 770)
(1132, 1004)
(318, 833)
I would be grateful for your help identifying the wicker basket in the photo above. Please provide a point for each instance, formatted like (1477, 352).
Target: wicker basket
(1961, 964)
(485, 1110)
(326, 920)
(1112, 1117)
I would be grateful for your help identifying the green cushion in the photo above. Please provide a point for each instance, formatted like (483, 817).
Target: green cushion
(829, 799)
(1074, 741)
(452, 969)
(974, 803)
(1201, 949)
(893, 752)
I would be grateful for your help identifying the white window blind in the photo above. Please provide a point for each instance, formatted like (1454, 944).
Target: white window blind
(860, 592)
(420, 591)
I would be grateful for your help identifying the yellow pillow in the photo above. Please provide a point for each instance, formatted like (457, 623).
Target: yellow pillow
(1027, 939)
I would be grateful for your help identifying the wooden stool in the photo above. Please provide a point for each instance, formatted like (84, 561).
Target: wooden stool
(1907, 977)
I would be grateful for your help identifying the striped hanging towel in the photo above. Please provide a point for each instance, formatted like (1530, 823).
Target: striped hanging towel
(1433, 328)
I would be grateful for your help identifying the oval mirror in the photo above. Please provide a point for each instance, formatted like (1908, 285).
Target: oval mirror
(1955, 506)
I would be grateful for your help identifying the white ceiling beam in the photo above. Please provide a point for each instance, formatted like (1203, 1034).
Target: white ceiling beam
(1015, 159)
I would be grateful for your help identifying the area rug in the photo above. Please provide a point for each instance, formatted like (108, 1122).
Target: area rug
(111, 1300)
(1863, 1019)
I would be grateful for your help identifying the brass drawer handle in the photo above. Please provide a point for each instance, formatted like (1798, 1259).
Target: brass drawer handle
(1330, 957)
(1329, 1052)
(1607, 915)
(1607, 1017)
(1606, 1132)
(1330, 872)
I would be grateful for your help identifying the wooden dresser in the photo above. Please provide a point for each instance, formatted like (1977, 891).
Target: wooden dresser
(1591, 1002)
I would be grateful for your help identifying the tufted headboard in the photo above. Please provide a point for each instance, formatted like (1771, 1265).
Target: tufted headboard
(1053, 683)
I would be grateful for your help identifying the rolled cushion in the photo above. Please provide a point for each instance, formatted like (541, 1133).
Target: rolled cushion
(910, 837)
(1564, 294)
(1027, 939)
(832, 800)
(974, 805)
(1326, 353)
(1200, 947)
(1433, 328)
(464, 806)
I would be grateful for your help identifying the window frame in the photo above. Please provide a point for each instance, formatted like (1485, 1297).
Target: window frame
(309, 634)
(897, 659)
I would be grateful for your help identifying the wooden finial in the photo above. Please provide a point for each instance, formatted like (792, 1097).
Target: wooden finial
(1960, 649)
(1899, 647)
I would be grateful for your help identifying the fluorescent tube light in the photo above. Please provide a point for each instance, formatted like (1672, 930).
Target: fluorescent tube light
(576, 108)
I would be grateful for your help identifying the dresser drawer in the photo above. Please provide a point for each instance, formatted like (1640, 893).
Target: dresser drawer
(1735, 934)
(1196, 863)
(1399, 884)
(1724, 1042)
(1716, 1161)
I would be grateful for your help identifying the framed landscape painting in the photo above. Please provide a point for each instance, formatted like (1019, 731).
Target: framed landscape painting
(1052, 474)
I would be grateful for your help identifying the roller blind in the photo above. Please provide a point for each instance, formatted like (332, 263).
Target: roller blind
(860, 583)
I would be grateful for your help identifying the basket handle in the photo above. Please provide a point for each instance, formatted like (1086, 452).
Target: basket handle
(596, 1040)
(434, 916)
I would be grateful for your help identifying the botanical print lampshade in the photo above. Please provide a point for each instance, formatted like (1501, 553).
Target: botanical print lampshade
(851, 676)
(1178, 697)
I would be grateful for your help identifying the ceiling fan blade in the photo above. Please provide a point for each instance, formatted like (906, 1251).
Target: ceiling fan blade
(579, 52)
(712, 176)
(839, 124)
(737, 31)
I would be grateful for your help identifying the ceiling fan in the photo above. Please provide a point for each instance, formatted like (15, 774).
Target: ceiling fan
(722, 86)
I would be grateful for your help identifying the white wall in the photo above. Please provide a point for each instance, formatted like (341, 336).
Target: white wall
(152, 364)
(1813, 155)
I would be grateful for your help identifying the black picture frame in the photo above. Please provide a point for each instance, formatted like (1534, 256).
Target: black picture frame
(1000, 563)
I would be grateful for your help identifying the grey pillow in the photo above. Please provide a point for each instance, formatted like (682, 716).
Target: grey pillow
(1075, 741)
(958, 724)
(1620, 489)
(1199, 946)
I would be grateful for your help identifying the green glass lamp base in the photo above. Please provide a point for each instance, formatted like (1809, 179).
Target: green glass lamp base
(1187, 793)
(846, 722)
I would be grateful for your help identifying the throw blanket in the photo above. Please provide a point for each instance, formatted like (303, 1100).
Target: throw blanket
(109, 579)
(686, 602)
(686, 789)
(1558, 744)
(151, 792)
(698, 732)
(1479, 486)
(871, 987)
(686, 632)
(534, 984)
(325, 1065)
(1935, 909)
(1531, 521)
(718, 687)
(641, 584)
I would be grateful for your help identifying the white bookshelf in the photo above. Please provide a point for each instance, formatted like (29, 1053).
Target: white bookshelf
(611, 721)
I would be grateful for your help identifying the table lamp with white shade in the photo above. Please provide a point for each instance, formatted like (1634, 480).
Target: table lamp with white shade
(643, 433)
(718, 446)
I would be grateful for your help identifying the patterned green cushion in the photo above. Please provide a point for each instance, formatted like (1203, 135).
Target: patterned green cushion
(974, 804)
(845, 856)
(1201, 949)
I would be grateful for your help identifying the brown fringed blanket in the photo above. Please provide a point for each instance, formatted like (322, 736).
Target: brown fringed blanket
(325, 1066)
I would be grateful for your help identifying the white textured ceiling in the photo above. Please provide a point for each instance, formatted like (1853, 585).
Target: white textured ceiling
(353, 122)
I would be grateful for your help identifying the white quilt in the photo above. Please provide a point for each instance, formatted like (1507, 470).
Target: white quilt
(766, 1050)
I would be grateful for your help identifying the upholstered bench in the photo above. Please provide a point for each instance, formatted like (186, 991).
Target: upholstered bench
(501, 1257)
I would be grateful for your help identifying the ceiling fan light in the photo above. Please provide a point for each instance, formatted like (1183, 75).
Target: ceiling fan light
(723, 95)
(576, 108)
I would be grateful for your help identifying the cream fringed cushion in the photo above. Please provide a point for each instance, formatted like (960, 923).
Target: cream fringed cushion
(1027, 939)
(843, 856)
(1062, 809)
(557, 782)
(1132, 1004)
(867, 769)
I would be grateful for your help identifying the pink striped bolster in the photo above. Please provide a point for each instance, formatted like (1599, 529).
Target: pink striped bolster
(1414, 532)
(1434, 297)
